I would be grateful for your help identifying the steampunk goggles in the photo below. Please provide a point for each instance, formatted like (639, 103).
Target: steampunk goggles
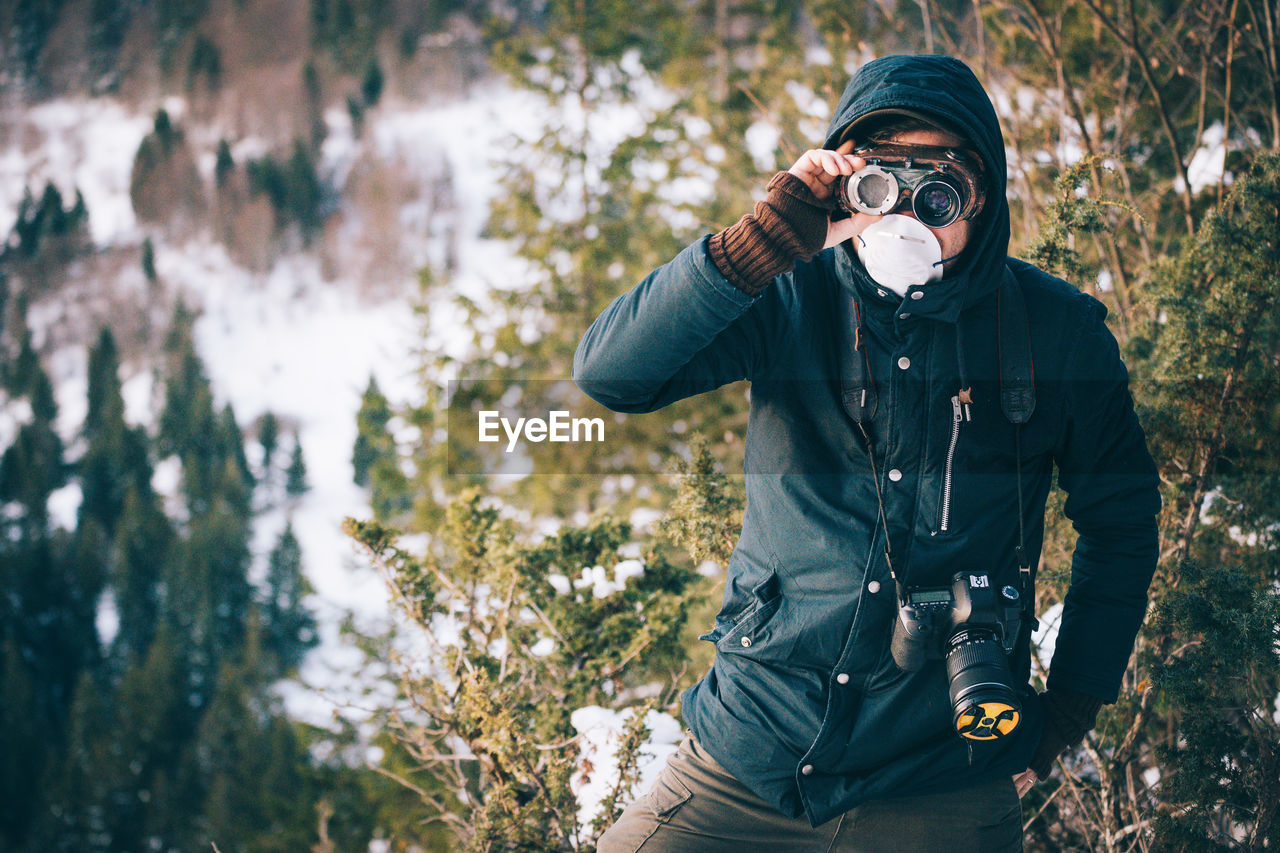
(940, 185)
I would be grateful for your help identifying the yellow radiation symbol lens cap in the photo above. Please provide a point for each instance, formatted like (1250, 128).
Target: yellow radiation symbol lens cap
(987, 721)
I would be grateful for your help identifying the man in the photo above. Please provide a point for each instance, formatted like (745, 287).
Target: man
(897, 445)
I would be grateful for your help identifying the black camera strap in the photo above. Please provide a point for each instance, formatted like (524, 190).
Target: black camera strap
(1017, 397)
(1017, 400)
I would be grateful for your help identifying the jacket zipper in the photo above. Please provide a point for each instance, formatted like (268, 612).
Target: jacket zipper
(956, 417)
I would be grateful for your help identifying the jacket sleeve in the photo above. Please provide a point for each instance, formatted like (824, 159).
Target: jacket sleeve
(681, 331)
(1112, 501)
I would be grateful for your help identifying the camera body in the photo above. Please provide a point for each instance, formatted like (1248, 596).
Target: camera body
(940, 185)
(973, 627)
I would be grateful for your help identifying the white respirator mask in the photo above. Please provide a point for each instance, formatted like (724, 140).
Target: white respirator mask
(899, 252)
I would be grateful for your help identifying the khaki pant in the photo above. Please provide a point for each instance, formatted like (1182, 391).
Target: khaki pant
(697, 807)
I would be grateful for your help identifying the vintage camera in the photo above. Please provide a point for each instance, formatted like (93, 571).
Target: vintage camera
(973, 627)
(940, 185)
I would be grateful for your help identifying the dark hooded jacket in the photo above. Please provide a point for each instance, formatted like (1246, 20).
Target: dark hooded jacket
(804, 704)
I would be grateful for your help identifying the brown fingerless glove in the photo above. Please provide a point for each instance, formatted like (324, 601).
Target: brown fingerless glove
(790, 224)
(1068, 717)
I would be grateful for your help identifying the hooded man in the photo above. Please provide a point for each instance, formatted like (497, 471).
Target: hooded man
(912, 390)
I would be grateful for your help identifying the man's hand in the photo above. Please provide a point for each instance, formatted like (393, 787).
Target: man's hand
(819, 168)
(1024, 780)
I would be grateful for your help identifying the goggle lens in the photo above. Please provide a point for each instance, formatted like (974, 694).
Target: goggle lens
(874, 189)
(936, 204)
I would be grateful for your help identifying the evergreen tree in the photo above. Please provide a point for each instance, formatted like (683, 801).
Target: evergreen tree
(252, 768)
(371, 86)
(375, 459)
(269, 441)
(135, 756)
(208, 594)
(223, 164)
(373, 442)
(76, 783)
(149, 260)
(504, 594)
(233, 445)
(288, 627)
(296, 474)
(25, 737)
(32, 467)
(116, 458)
(144, 538)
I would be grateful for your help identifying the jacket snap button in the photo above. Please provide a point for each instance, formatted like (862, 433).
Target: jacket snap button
(873, 587)
(807, 770)
(842, 678)
(919, 294)
(904, 362)
(895, 475)
(746, 642)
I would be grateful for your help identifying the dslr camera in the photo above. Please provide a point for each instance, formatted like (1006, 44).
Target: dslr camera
(938, 185)
(973, 627)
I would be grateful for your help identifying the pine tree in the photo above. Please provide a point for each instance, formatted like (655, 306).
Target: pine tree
(32, 467)
(223, 164)
(208, 594)
(490, 580)
(288, 627)
(149, 260)
(76, 784)
(372, 439)
(116, 458)
(1211, 410)
(371, 86)
(296, 474)
(25, 738)
(138, 754)
(268, 440)
(141, 551)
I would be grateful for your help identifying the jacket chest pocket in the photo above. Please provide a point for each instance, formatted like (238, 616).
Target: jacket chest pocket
(756, 631)
(975, 462)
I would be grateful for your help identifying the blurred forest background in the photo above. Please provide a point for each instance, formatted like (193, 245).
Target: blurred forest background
(144, 636)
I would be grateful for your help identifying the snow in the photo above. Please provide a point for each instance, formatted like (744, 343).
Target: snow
(299, 341)
(75, 143)
(14, 415)
(762, 142)
(64, 506)
(1208, 162)
(600, 731)
(597, 579)
(107, 619)
(1045, 640)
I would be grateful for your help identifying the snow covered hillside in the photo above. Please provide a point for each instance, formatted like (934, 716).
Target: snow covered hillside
(300, 339)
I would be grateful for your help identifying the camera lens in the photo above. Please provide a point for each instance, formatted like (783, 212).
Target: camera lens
(985, 705)
(936, 203)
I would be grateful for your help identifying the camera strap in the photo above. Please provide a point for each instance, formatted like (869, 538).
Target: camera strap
(1017, 400)
(1017, 396)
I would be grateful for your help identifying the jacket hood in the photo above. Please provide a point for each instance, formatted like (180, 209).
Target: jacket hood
(944, 88)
